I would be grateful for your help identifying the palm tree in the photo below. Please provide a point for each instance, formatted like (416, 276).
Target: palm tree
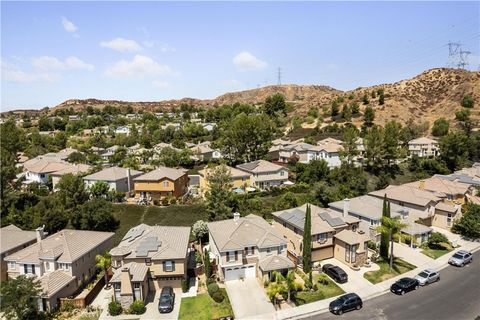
(290, 280)
(393, 227)
(104, 262)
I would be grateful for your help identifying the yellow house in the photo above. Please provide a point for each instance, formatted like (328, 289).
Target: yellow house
(239, 178)
(160, 183)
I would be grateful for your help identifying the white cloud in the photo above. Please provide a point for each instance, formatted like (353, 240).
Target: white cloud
(163, 46)
(68, 25)
(160, 84)
(52, 63)
(247, 61)
(121, 44)
(11, 73)
(139, 67)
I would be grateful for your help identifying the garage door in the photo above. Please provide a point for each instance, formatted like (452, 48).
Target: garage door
(235, 273)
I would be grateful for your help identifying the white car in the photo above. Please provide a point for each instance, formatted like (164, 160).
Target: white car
(427, 276)
(461, 258)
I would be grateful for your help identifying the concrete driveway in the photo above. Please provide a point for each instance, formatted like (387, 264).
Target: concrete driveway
(152, 306)
(249, 300)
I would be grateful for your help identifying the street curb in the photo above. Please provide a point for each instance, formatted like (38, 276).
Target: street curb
(377, 294)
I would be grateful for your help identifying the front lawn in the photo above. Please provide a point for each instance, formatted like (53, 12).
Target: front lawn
(326, 289)
(437, 251)
(399, 266)
(202, 307)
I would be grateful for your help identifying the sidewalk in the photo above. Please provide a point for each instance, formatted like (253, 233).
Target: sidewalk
(378, 289)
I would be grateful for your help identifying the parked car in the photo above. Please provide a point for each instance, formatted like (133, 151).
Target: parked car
(461, 258)
(404, 285)
(344, 303)
(166, 300)
(427, 276)
(335, 272)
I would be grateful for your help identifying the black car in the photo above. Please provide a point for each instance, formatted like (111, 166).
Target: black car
(404, 285)
(166, 300)
(336, 273)
(345, 303)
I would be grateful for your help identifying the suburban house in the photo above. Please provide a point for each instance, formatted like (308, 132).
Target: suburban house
(450, 191)
(118, 179)
(13, 239)
(108, 152)
(327, 149)
(240, 178)
(147, 259)
(265, 174)
(247, 247)
(72, 169)
(160, 183)
(470, 176)
(369, 209)
(334, 235)
(63, 262)
(122, 130)
(39, 169)
(423, 147)
(203, 152)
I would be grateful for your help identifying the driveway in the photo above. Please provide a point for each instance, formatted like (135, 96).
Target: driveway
(249, 300)
(152, 306)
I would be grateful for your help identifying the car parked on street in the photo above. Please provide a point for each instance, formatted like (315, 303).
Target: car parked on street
(461, 258)
(166, 300)
(404, 285)
(347, 302)
(427, 276)
(335, 272)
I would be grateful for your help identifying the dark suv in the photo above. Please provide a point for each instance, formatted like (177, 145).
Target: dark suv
(404, 285)
(336, 273)
(345, 303)
(166, 300)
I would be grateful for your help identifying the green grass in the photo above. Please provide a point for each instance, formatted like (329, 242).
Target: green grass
(399, 266)
(323, 292)
(436, 253)
(202, 307)
(131, 215)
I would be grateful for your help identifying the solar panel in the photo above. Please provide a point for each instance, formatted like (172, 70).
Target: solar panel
(147, 245)
(133, 234)
(333, 222)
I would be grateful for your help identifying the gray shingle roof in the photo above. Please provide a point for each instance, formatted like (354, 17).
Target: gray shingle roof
(367, 206)
(112, 174)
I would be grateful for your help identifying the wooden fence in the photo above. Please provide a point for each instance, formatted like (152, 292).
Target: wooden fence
(86, 296)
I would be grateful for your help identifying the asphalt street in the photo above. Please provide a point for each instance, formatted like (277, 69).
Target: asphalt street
(455, 297)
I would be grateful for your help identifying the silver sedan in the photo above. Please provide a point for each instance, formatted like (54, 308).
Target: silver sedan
(427, 276)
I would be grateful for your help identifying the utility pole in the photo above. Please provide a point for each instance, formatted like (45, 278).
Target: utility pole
(279, 76)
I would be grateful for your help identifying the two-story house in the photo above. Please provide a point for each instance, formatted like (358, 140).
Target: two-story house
(247, 247)
(239, 178)
(160, 183)
(147, 259)
(333, 235)
(118, 179)
(72, 169)
(423, 147)
(63, 262)
(13, 239)
(203, 152)
(264, 174)
(327, 149)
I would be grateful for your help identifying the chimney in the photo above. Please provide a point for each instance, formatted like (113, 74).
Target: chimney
(129, 179)
(40, 234)
(346, 207)
(236, 216)
(421, 184)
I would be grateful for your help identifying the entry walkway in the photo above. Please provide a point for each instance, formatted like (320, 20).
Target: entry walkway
(249, 300)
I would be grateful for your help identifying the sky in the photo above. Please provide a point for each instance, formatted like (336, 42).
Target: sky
(151, 51)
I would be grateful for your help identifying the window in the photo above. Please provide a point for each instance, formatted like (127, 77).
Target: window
(11, 265)
(347, 253)
(165, 184)
(354, 253)
(282, 173)
(47, 266)
(231, 256)
(29, 268)
(249, 251)
(148, 262)
(269, 251)
(321, 237)
(283, 248)
(449, 219)
(354, 227)
(169, 266)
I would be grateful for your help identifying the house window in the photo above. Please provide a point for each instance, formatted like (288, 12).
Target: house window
(148, 262)
(11, 265)
(269, 251)
(321, 237)
(354, 253)
(354, 227)
(249, 251)
(47, 266)
(282, 173)
(169, 266)
(449, 219)
(231, 256)
(165, 184)
(29, 269)
(347, 253)
(283, 248)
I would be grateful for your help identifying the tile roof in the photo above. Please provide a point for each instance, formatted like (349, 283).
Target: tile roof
(446, 207)
(155, 242)
(442, 186)
(275, 262)
(67, 245)
(260, 166)
(414, 228)
(350, 237)
(367, 206)
(408, 194)
(73, 169)
(138, 272)
(160, 173)
(44, 164)
(234, 172)
(112, 174)
(251, 230)
(422, 140)
(11, 237)
(54, 281)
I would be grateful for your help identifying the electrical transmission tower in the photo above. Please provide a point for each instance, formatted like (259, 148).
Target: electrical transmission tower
(453, 49)
(279, 76)
(463, 58)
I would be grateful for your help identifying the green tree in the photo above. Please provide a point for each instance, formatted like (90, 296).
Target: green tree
(454, 150)
(393, 227)
(374, 148)
(391, 141)
(384, 237)
(104, 262)
(72, 191)
(347, 112)
(207, 265)
(200, 230)
(275, 104)
(313, 112)
(77, 157)
(312, 172)
(334, 109)
(467, 101)
(99, 189)
(440, 127)
(436, 239)
(349, 146)
(219, 194)
(469, 224)
(96, 215)
(51, 213)
(365, 99)
(19, 298)
(355, 108)
(307, 241)
(368, 116)
(463, 117)
(381, 97)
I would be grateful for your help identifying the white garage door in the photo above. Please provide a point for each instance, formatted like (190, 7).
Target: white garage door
(235, 273)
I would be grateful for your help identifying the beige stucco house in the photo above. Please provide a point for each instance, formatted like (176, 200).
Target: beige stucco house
(118, 179)
(247, 247)
(265, 174)
(147, 259)
(63, 262)
(13, 239)
(423, 147)
(239, 178)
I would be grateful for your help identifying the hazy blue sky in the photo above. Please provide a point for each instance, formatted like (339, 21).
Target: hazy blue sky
(53, 51)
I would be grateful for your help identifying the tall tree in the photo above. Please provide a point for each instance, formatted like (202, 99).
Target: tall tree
(96, 215)
(454, 150)
(391, 141)
(207, 265)
(104, 262)
(200, 230)
(307, 241)
(219, 194)
(72, 191)
(349, 146)
(99, 189)
(440, 127)
(275, 104)
(384, 236)
(392, 226)
(374, 148)
(368, 116)
(19, 298)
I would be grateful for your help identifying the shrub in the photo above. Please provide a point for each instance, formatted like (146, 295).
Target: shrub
(218, 297)
(315, 287)
(372, 245)
(436, 238)
(212, 289)
(467, 101)
(114, 308)
(137, 307)
(67, 307)
(323, 281)
(184, 285)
